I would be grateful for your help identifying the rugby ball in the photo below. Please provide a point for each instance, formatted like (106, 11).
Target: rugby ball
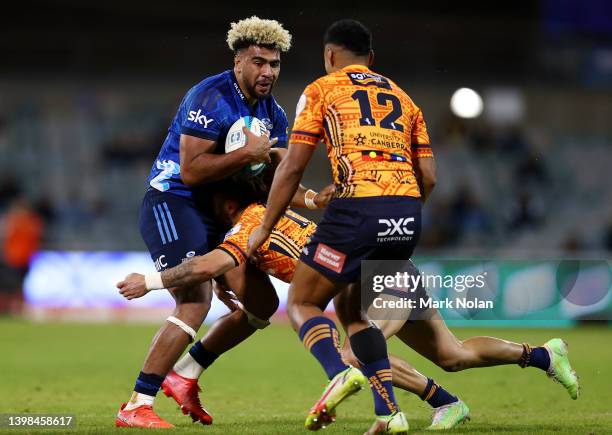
(236, 139)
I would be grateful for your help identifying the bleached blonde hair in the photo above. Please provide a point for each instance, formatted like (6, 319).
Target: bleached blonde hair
(258, 31)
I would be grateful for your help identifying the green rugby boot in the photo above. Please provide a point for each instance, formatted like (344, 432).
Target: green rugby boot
(343, 385)
(560, 369)
(449, 416)
(395, 423)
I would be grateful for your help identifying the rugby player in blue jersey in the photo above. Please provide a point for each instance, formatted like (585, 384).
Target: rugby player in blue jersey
(176, 219)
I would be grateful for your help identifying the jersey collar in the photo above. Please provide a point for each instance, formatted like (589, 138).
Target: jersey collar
(239, 96)
(237, 91)
(356, 67)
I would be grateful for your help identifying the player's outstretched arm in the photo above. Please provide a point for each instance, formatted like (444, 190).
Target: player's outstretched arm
(425, 171)
(199, 164)
(198, 269)
(285, 184)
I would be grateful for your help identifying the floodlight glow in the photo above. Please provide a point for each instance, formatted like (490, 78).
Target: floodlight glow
(466, 103)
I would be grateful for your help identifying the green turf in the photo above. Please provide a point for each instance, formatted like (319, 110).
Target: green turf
(266, 385)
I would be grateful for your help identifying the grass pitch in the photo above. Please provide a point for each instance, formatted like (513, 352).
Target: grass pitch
(267, 385)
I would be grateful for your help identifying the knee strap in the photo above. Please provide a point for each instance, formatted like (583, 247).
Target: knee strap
(185, 327)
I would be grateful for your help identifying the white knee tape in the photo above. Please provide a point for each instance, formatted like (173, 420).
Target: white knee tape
(185, 327)
(255, 321)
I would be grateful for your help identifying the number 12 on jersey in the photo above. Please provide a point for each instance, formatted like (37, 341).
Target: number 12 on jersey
(383, 98)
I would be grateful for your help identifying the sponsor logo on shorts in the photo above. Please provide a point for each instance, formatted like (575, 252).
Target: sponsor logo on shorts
(160, 263)
(396, 230)
(329, 258)
(190, 254)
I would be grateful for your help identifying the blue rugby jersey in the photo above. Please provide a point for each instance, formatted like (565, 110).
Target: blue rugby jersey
(207, 111)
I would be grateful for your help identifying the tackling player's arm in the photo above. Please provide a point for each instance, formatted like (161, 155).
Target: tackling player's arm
(197, 270)
(284, 186)
(199, 164)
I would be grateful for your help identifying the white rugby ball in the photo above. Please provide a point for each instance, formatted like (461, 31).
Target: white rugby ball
(236, 139)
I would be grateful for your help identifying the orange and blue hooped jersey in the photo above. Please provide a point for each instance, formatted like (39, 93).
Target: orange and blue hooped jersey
(279, 254)
(372, 129)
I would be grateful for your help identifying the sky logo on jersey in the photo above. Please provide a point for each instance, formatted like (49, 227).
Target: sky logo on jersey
(369, 79)
(199, 117)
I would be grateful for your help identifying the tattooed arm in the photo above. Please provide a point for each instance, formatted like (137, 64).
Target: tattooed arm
(196, 270)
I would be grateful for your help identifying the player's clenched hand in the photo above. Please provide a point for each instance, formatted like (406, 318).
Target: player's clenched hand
(225, 295)
(325, 195)
(258, 147)
(256, 239)
(133, 286)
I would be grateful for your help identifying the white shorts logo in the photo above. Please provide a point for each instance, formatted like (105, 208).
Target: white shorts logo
(396, 230)
(159, 263)
(396, 226)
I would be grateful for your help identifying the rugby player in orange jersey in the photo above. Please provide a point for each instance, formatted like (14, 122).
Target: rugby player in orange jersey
(371, 129)
(383, 169)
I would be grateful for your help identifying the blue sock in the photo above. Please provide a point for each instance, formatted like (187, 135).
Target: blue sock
(436, 396)
(320, 337)
(202, 356)
(370, 348)
(536, 357)
(148, 383)
(379, 375)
